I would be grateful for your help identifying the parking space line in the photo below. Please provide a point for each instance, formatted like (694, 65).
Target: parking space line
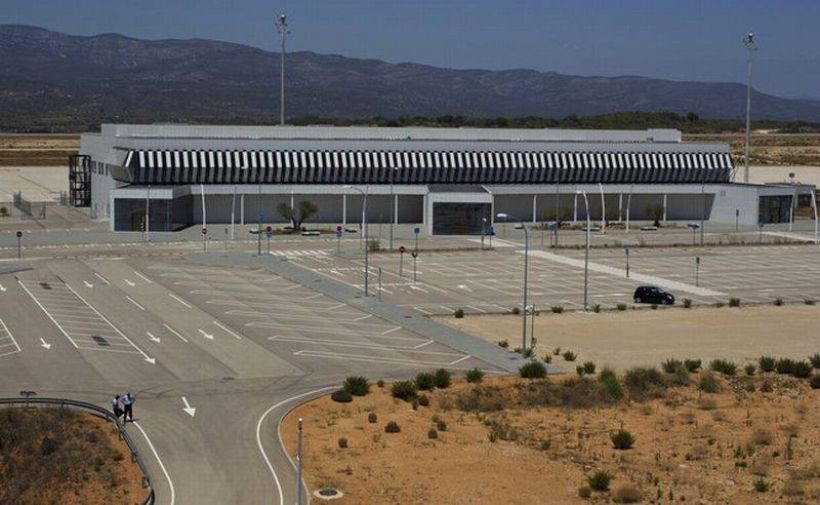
(459, 360)
(367, 358)
(338, 306)
(361, 345)
(102, 279)
(423, 311)
(367, 316)
(227, 330)
(180, 300)
(175, 332)
(6, 334)
(135, 302)
(146, 279)
(391, 330)
(48, 314)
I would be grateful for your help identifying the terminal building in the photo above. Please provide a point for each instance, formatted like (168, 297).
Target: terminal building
(449, 180)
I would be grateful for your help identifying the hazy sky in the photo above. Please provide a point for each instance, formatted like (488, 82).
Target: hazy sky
(674, 39)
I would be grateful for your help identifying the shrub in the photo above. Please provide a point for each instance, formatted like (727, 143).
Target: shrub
(644, 383)
(357, 386)
(557, 309)
(425, 381)
(766, 387)
(599, 481)
(480, 399)
(708, 383)
(424, 401)
(654, 306)
(734, 302)
(627, 494)
(556, 351)
(814, 359)
(589, 367)
(611, 386)
(341, 396)
(475, 376)
(784, 366)
(504, 344)
(516, 310)
(687, 303)
(441, 425)
(584, 492)
(750, 369)
(808, 301)
(374, 245)
(392, 427)
(680, 377)
(778, 302)
(443, 378)
(596, 308)
(579, 370)
(459, 313)
(342, 443)
(723, 366)
(761, 486)
(719, 305)
(380, 383)
(761, 437)
(621, 307)
(766, 363)
(622, 440)
(569, 356)
(671, 365)
(533, 370)
(692, 365)
(4, 212)
(372, 418)
(815, 381)
(527, 353)
(802, 370)
(432, 434)
(403, 390)
(548, 358)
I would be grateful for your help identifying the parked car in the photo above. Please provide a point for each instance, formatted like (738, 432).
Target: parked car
(653, 294)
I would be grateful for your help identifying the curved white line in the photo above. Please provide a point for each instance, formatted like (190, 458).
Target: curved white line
(259, 436)
(151, 445)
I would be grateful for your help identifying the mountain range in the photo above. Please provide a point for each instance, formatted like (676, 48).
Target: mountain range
(59, 81)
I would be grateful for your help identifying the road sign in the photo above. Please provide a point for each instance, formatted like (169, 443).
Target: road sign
(269, 230)
(204, 231)
(415, 253)
(627, 251)
(338, 229)
(19, 234)
(402, 249)
(416, 231)
(697, 260)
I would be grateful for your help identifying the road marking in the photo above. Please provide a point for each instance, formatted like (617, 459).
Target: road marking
(180, 300)
(459, 360)
(476, 309)
(129, 282)
(228, 330)
(152, 337)
(338, 306)
(146, 279)
(366, 358)
(44, 344)
(103, 279)
(317, 295)
(5, 333)
(792, 236)
(2, 288)
(391, 330)
(88, 284)
(191, 411)
(364, 345)
(162, 466)
(206, 335)
(423, 311)
(259, 436)
(425, 344)
(49, 315)
(135, 302)
(175, 333)
(363, 318)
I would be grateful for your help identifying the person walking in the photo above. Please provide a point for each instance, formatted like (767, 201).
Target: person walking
(115, 407)
(128, 405)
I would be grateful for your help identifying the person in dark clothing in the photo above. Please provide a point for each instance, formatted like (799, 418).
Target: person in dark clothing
(115, 406)
(128, 405)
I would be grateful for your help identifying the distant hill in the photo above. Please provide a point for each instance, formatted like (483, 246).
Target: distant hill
(53, 80)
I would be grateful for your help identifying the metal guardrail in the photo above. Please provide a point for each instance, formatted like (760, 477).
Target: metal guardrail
(63, 402)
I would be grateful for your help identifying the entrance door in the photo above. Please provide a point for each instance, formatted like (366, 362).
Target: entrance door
(460, 218)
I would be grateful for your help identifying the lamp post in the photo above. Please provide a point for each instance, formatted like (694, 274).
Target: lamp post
(364, 232)
(504, 216)
(751, 47)
(259, 218)
(586, 252)
(392, 205)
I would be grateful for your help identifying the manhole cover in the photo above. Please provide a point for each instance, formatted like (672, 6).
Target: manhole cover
(328, 494)
(101, 341)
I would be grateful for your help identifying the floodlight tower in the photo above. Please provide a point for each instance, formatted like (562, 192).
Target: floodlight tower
(282, 28)
(751, 47)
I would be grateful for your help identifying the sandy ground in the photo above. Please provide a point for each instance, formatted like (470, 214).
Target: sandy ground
(686, 449)
(38, 184)
(647, 337)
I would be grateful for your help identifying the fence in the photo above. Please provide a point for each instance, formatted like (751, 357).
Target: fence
(62, 402)
(36, 210)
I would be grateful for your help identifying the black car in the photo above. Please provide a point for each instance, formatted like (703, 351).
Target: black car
(653, 294)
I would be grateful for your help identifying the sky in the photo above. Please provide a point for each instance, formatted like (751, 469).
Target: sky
(671, 39)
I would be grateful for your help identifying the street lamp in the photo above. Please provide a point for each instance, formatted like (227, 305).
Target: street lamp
(392, 205)
(364, 232)
(586, 251)
(503, 216)
(751, 47)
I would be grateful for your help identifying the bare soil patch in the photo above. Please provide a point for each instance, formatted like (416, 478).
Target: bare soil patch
(770, 148)
(57, 455)
(37, 150)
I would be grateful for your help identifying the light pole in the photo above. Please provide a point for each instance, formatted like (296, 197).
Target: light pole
(259, 217)
(751, 47)
(148, 214)
(233, 206)
(299, 463)
(504, 216)
(364, 232)
(586, 252)
(392, 205)
(282, 27)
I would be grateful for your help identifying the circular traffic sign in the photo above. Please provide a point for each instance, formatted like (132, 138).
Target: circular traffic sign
(338, 228)
(402, 249)
(204, 231)
(19, 234)
(415, 253)
(268, 229)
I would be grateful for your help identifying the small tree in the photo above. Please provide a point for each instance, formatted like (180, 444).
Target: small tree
(304, 210)
(655, 213)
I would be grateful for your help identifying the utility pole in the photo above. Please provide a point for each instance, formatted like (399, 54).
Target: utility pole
(282, 28)
(751, 47)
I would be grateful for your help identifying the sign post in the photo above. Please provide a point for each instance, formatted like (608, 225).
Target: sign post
(19, 239)
(760, 232)
(269, 233)
(401, 259)
(416, 232)
(697, 271)
(338, 240)
(204, 239)
(380, 283)
(626, 250)
(415, 255)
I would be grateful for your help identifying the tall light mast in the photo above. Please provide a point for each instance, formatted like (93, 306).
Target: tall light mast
(282, 27)
(751, 47)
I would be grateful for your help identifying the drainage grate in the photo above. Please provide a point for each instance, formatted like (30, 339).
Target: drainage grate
(101, 341)
(45, 285)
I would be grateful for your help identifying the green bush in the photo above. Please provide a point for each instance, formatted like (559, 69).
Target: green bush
(380, 383)
(504, 344)
(356, 385)
(719, 305)
(424, 401)
(584, 492)
(723, 366)
(680, 377)
(475, 376)
(644, 383)
(557, 309)
(432, 434)
(589, 368)
(556, 351)
(372, 418)
(708, 383)
(766, 387)
(4, 212)
(687, 303)
(529, 352)
(441, 425)
(692, 365)
(569, 356)
(814, 359)
(579, 370)
(802, 370)
(403, 390)
(342, 443)
(443, 378)
(392, 427)
(784, 366)
(610, 385)
(621, 307)
(766, 363)
(808, 301)
(516, 310)
(815, 381)
(596, 308)
(425, 381)
(341, 396)
(750, 369)
(671, 365)
(627, 494)
(548, 358)
(533, 370)
(734, 302)
(459, 313)
(622, 440)
(761, 486)
(599, 481)
(778, 302)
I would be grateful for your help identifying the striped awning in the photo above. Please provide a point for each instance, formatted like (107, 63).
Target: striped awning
(423, 167)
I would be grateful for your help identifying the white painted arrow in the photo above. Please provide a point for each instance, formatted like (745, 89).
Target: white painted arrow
(2, 288)
(153, 361)
(88, 284)
(44, 344)
(191, 411)
(152, 337)
(130, 283)
(206, 335)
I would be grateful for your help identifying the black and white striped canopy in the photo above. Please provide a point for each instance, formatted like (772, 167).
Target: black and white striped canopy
(423, 167)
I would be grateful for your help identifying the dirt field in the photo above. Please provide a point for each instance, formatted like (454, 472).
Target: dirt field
(52, 455)
(771, 148)
(37, 150)
(647, 337)
(502, 445)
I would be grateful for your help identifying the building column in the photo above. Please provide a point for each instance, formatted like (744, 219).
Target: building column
(575, 209)
(534, 202)
(620, 206)
(242, 209)
(664, 207)
(344, 210)
(395, 209)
